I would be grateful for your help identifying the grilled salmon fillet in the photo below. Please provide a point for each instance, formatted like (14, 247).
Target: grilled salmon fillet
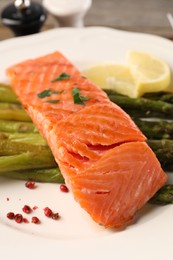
(102, 154)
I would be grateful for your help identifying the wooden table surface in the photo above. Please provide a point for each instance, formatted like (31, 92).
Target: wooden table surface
(147, 16)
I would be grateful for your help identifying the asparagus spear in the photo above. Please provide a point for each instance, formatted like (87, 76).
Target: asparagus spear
(27, 160)
(52, 175)
(11, 144)
(163, 196)
(155, 129)
(7, 95)
(13, 112)
(163, 96)
(24, 151)
(27, 138)
(160, 144)
(17, 127)
(143, 104)
(164, 152)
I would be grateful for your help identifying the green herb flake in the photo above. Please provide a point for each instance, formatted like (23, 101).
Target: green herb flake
(77, 98)
(62, 76)
(45, 93)
(48, 93)
(53, 101)
(57, 92)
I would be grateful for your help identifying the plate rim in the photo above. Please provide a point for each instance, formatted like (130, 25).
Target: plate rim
(6, 44)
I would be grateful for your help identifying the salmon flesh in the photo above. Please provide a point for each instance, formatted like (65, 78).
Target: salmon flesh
(102, 155)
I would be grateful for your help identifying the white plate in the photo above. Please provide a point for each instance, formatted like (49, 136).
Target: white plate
(75, 235)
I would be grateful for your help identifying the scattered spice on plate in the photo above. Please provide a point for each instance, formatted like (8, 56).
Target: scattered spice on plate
(30, 185)
(25, 220)
(18, 218)
(35, 207)
(35, 220)
(63, 188)
(48, 212)
(55, 216)
(10, 215)
(27, 209)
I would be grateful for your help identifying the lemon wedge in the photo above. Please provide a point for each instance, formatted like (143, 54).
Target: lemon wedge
(112, 76)
(143, 73)
(150, 73)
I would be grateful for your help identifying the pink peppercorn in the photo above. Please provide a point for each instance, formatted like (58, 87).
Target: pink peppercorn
(30, 184)
(35, 207)
(47, 212)
(55, 216)
(27, 209)
(25, 220)
(10, 215)
(35, 220)
(63, 188)
(18, 218)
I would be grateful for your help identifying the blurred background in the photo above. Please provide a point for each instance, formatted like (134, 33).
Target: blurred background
(149, 16)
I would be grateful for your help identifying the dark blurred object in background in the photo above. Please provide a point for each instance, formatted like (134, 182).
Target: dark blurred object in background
(24, 17)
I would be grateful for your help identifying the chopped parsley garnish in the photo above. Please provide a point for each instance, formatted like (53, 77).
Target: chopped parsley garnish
(45, 93)
(77, 98)
(62, 76)
(60, 92)
(55, 92)
(48, 93)
(53, 101)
